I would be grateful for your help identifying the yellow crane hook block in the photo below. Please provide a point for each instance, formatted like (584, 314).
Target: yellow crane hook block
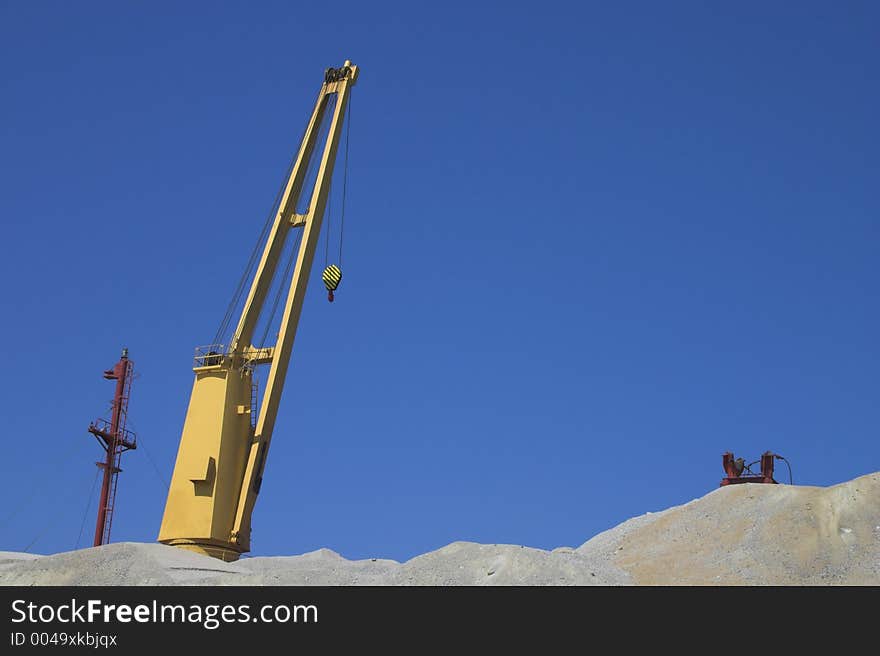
(332, 276)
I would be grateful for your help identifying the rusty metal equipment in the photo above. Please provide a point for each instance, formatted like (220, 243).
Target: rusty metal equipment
(115, 439)
(736, 469)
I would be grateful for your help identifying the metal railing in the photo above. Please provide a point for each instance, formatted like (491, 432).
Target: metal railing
(124, 437)
(210, 355)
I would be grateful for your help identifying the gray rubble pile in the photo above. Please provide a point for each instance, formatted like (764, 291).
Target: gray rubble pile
(746, 534)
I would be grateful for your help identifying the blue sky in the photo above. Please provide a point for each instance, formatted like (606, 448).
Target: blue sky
(589, 247)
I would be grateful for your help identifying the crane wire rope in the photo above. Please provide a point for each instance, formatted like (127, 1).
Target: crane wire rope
(48, 525)
(291, 257)
(142, 445)
(329, 225)
(223, 328)
(63, 460)
(236, 296)
(345, 176)
(344, 194)
(246, 274)
(88, 505)
(159, 476)
(332, 274)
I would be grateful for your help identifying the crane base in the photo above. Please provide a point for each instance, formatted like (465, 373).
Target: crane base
(221, 553)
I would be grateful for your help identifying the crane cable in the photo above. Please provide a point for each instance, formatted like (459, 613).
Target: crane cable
(329, 227)
(345, 176)
(291, 258)
(236, 296)
(255, 252)
(88, 505)
(52, 470)
(332, 275)
(54, 521)
(160, 477)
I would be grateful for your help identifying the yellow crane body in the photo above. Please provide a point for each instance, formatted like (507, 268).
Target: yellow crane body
(227, 431)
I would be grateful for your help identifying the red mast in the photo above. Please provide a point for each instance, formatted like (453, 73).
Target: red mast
(115, 440)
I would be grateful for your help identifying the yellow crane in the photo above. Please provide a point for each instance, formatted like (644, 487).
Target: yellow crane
(226, 433)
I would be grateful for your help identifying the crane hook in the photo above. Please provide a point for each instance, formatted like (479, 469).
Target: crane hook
(332, 276)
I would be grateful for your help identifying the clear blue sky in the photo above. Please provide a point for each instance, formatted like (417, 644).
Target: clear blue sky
(589, 247)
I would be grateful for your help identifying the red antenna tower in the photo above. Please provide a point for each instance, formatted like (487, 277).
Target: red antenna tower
(115, 439)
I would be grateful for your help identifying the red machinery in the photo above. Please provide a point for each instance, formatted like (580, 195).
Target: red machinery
(735, 468)
(115, 439)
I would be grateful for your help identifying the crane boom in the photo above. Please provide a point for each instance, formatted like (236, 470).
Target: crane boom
(222, 453)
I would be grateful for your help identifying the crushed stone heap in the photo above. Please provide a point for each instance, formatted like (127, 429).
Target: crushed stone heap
(746, 534)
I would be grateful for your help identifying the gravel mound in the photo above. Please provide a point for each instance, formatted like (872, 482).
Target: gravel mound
(738, 535)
